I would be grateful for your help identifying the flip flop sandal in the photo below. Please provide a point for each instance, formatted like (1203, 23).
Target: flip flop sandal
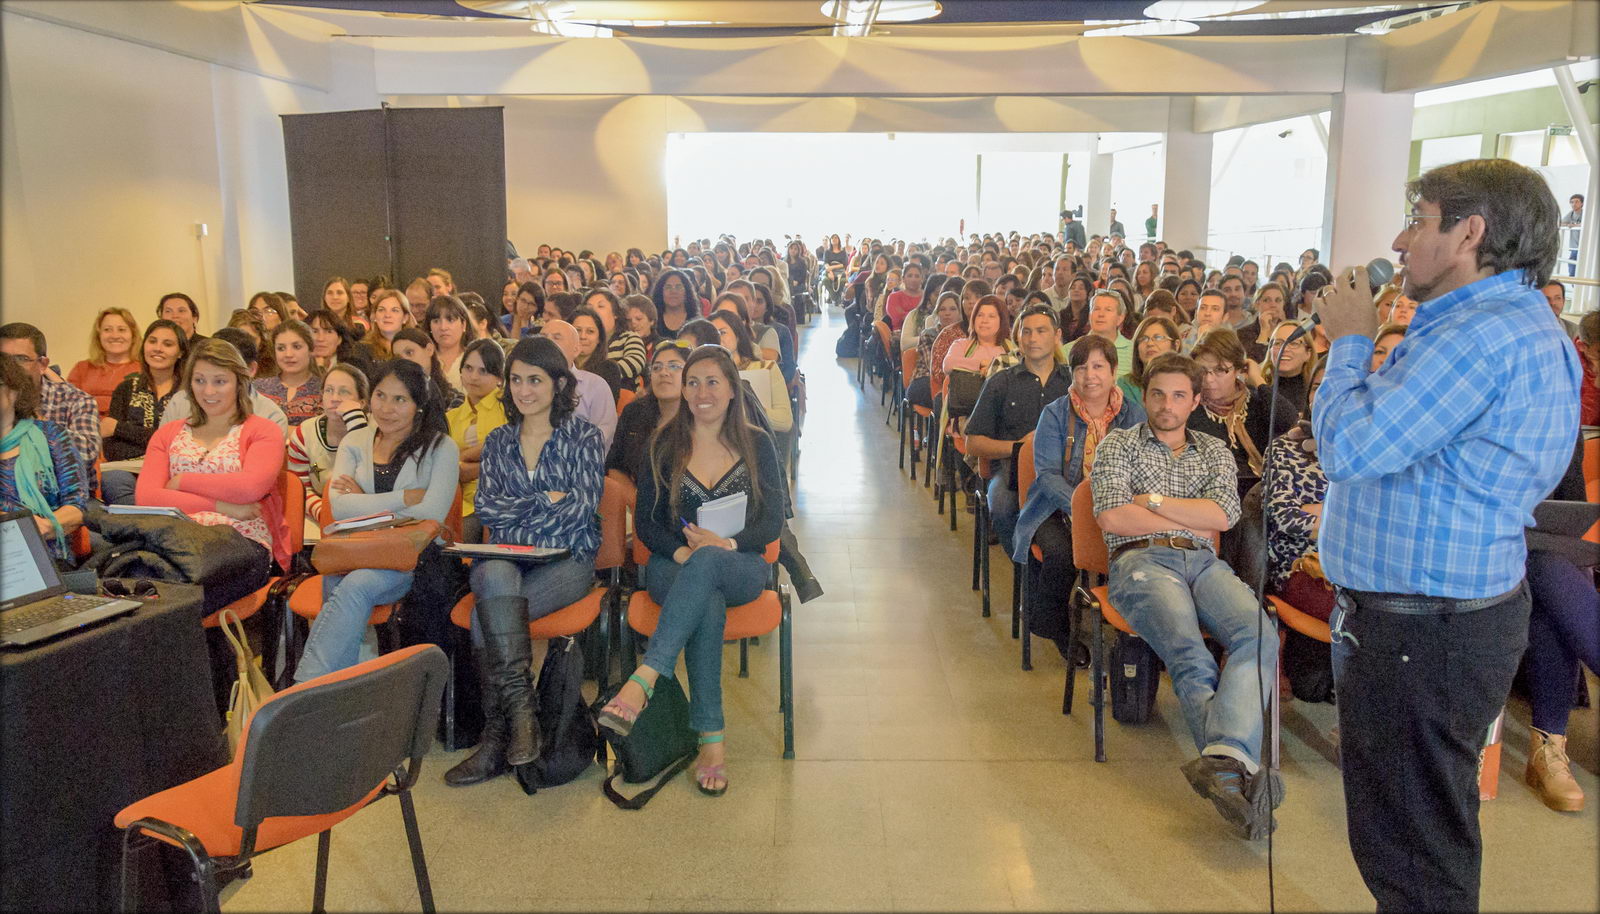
(619, 716)
(704, 773)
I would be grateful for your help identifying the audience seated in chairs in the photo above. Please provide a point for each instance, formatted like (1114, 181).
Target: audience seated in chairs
(1294, 363)
(1008, 407)
(403, 462)
(946, 314)
(220, 465)
(1563, 632)
(296, 384)
(482, 369)
(542, 474)
(1068, 433)
(660, 402)
(138, 404)
(595, 399)
(706, 452)
(39, 470)
(113, 355)
(592, 345)
(733, 334)
(57, 401)
(180, 406)
(1161, 492)
(313, 443)
(1230, 408)
(623, 347)
(418, 348)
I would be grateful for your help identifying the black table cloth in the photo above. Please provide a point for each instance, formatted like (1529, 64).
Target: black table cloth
(88, 724)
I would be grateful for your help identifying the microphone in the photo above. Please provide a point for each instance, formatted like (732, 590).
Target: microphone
(1379, 272)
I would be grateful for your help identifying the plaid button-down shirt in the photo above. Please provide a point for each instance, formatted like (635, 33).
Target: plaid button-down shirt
(1133, 461)
(1436, 460)
(75, 411)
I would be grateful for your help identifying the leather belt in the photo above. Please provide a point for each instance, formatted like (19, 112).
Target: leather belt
(1176, 542)
(1420, 605)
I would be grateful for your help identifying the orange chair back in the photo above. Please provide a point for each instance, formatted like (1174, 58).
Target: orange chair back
(641, 552)
(325, 510)
(624, 397)
(908, 364)
(1088, 545)
(452, 519)
(618, 494)
(1591, 460)
(1025, 472)
(883, 336)
(293, 493)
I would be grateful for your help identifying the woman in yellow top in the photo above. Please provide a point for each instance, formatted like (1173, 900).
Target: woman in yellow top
(472, 421)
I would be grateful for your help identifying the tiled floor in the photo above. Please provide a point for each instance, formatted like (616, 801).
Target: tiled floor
(932, 773)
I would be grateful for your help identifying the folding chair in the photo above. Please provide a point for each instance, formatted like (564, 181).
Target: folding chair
(314, 756)
(766, 612)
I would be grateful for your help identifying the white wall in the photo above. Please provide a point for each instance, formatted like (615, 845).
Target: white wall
(113, 150)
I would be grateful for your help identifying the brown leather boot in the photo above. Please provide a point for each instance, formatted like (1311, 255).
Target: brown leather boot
(1550, 773)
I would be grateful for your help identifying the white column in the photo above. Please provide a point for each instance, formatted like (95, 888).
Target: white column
(1369, 151)
(1185, 217)
(1096, 218)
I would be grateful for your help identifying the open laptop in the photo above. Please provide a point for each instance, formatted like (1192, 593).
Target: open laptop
(34, 603)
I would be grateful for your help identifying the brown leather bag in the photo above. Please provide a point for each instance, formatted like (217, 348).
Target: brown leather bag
(393, 547)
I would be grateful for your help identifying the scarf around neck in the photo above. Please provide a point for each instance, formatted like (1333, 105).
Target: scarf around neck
(1098, 426)
(35, 473)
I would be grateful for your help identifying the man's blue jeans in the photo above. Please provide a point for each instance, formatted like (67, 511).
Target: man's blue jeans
(347, 602)
(1003, 507)
(1170, 596)
(694, 599)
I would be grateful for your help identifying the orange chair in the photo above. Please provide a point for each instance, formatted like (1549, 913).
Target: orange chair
(751, 620)
(306, 597)
(314, 756)
(918, 429)
(1090, 555)
(624, 397)
(891, 378)
(572, 619)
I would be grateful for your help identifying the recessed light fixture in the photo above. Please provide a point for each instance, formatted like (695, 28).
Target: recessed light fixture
(1147, 28)
(1198, 9)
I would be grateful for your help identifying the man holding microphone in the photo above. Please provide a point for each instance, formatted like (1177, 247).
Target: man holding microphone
(1435, 462)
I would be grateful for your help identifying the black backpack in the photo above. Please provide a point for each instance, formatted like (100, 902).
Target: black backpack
(567, 727)
(659, 746)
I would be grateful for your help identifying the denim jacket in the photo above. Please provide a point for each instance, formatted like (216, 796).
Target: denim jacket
(1055, 478)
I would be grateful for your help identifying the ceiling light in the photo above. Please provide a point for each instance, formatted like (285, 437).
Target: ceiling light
(1198, 9)
(851, 11)
(1145, 29)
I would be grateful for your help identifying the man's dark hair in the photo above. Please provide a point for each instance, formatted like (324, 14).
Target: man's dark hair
(17, 330)
(1558, 284)
(1519, 213)
(1036, 311)
(1577, 197)
(15, 378)
(242, 341)
(1173, 363)
(194, 309)
(1236, 260)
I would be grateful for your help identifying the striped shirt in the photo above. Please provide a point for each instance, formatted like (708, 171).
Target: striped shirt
(515, 504)
(1436, 460)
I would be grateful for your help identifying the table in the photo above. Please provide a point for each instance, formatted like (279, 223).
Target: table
(88, 724)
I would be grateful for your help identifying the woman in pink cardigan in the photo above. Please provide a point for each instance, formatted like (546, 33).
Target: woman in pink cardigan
(221, 465)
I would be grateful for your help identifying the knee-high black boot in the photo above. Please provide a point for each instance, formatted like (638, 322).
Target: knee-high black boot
(488, 760)
(508, 652)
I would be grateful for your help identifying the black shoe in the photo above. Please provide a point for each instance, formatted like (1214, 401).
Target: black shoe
(488, 760)
(808, 589)
(1225, 782)
(509, 652)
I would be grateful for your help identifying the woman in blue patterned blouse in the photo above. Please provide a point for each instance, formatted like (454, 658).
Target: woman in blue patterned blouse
(704, 453)
(539, 484)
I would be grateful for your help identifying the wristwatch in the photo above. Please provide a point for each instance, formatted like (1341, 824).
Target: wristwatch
(1155, 501)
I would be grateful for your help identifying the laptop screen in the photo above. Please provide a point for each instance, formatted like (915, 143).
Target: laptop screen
(29, 573)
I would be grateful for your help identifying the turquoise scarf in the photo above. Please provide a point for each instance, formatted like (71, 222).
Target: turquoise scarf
(35, 473)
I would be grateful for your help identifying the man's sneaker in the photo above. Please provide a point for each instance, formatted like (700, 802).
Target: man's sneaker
(1225, 782)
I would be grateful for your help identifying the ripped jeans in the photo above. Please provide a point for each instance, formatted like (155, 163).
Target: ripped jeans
(1170, 596)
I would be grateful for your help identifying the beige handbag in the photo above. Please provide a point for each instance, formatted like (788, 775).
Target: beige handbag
(250, 688)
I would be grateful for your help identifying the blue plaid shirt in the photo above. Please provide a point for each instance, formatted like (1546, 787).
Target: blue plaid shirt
(1436, 460)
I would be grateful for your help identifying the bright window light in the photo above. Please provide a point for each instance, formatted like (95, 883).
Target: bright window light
(1484, 88)
(1198, 9)
(1145, 28)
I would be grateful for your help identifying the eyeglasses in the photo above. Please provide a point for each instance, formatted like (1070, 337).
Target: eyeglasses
(1156, 338)
(1413, 220)
(23, 358)
(1219, 371)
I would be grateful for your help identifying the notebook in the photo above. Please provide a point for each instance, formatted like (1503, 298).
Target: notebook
(34, 602)
(154, 510)
(723, 516)
(364, 522)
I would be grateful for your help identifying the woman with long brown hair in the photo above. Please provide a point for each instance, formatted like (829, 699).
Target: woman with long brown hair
(707, 451)
(113, 355)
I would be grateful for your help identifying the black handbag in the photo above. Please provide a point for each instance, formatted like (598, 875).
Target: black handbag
(659, 745)
(219, 559)
(962, 389)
